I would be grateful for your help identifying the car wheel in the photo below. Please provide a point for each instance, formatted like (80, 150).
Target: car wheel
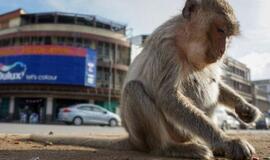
(113, 122)
(77, 121)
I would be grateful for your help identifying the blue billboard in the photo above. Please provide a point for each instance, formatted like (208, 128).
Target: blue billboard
(48, 65)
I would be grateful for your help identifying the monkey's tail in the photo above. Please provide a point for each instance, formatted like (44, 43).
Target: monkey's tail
(114, 144)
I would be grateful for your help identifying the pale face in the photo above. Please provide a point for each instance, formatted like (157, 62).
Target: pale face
(207, 39)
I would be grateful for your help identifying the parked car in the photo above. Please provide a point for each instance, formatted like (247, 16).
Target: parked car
(88, 114)
(248, 126)
(263, 123)
(223, 120)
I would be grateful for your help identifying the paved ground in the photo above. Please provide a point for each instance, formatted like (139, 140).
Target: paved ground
(85, 130)
(12, 128)
(15, 147)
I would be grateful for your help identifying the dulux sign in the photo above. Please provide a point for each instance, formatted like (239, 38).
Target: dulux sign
(15, 71)
(49, 69)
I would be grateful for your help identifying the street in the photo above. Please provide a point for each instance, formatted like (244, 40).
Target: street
(14, 143)
(85, 130)
(62, 129)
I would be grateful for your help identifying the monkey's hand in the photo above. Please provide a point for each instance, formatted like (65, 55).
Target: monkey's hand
(237, 149)
(247, 112)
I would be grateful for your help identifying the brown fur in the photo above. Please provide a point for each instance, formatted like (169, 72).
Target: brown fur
(174, 85)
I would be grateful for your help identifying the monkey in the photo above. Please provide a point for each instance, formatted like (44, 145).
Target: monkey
(174, 84)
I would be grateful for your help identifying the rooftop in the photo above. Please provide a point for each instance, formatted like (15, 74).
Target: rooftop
(63, 17)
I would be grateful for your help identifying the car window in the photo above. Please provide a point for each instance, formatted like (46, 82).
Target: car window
(95, 109)
(85, 108)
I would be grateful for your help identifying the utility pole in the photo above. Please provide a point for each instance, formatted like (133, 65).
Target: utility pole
(110, 77)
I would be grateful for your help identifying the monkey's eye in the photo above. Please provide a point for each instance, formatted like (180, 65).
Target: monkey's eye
(220, 30)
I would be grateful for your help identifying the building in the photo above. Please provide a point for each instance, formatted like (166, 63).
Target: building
(237, 75)
(137, 45)
(53, 60)
(260, 99)
(264, 85)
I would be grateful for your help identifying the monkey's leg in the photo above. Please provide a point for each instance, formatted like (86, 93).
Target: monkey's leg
(247, 112)
(146, 127)
(179, 109)
(141, 120)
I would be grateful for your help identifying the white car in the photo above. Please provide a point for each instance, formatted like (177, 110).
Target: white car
(223, 120)
(88, 114)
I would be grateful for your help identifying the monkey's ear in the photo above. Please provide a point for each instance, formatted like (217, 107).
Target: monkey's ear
(191, 7)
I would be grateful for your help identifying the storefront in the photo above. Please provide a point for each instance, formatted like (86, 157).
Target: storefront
(4, 108)
(36, 77)
(30, 110)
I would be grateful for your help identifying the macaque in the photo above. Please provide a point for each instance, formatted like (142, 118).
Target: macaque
(174, 84)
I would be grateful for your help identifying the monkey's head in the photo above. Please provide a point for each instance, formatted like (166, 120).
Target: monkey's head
(208, 26)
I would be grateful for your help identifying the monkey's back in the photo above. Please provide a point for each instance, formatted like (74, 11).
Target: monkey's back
(139, 69)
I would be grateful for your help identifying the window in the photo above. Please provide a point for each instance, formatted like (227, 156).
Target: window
(54, 40)
(47, 40)
(28, 19)
(70, 41)
(61, 40)
(106, 26)
(79, 41)
(83, 21)
(242, 87)
(123, 55)
(66, 19)
(46, 19)
(87, 43)
(107, 51)
(85, 108)
(96, 109)
(99, 74)
(106, 75)
(100, 51)
(99, 25)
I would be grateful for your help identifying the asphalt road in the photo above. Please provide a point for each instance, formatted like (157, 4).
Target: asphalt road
(12, 128)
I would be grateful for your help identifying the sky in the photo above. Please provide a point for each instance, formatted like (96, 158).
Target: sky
(252, 47)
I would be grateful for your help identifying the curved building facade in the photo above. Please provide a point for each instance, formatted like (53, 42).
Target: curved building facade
(54, 60)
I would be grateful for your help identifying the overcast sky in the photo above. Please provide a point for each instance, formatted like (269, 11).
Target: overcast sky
(143, 16)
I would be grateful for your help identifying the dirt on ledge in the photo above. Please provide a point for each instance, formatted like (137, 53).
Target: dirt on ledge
(16, 147)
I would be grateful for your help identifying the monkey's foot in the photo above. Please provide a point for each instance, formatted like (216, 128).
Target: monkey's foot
(186, 150)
